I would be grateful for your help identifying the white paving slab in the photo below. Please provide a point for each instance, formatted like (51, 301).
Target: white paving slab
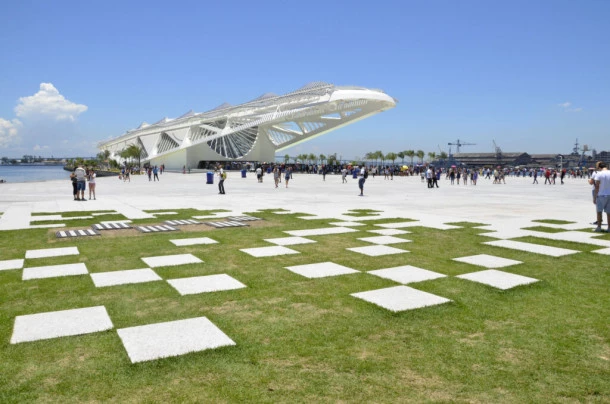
(53, 271)
(102, 279)
(498, 279)
(507, 234)
(51, 252)
(163, 213)
(389, 232)
(171, 260)
(320, 232)
(604, 251)
(533, 248)
(193, 241)
(399, 225)
(400, 298)
(11, 264)
(41, 218)
(406, 274)
(321, 270)
(488, 261)
(205, 284)
(432, 225)
(347, 224)
(384, 240)
(173, 338)
(377, 250)
(289, 240)
(269, 251)
(54, 324)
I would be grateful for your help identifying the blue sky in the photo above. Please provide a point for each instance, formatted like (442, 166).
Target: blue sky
(531, 75)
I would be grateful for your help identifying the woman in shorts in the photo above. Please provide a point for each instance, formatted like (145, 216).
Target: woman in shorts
(91, 178)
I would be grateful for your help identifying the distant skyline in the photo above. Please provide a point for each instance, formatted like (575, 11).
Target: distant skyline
(531, 75)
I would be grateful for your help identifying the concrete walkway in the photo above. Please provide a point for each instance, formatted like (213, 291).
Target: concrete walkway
(509, 205)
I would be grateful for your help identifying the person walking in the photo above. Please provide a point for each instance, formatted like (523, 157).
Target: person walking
(535, 177)
(363, 176)
(221, 182)
(91, 177)
(602, 195)
(156, 173)
(288, 175)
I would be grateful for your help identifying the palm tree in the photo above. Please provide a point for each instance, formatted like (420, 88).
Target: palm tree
(420, 155)
(369, 156)
(379, 156)
(286, 158)
(391, 156)
(410, 154)
(431, 156)
(402, 155)
(312, 157)
(322, 158)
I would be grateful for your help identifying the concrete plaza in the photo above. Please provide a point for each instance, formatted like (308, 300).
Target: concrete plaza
(504, 206)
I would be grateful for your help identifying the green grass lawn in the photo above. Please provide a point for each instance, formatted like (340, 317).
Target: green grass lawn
(308, 340)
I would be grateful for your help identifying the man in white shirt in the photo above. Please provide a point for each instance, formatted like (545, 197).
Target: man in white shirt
(602, 194)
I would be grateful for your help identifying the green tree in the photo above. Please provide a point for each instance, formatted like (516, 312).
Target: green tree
(420, 155)
(410, 154)
(322, 158)
(286, 158)
(402, 155)
(312, 158)
(431, 156)
(391, 156)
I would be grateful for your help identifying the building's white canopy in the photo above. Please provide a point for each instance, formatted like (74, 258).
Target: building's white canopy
(252, 131)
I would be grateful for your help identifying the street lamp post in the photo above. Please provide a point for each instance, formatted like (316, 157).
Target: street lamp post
(560, 162)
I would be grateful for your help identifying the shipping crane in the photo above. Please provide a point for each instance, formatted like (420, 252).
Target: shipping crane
(458, 144)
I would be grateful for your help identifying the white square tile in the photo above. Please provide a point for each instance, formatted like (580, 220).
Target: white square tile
(11, 264)
(321, 270)
(320, 232)
(193, 241)
(204, 284)
(533, 248)
(173, 338)
(406, 274)
(399, 225)
(171, 260)
(54, 324)
(400, 298)
(488, 261)
(52, 271)
(268, 251)
(498, 279)
(604, 251)
(289, 240)
(101, 279)
(384, 240)
(51, 252)
(389, 232)
(347, 224)
(377, 250)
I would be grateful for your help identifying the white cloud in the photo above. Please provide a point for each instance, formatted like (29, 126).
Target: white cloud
(38, 147)
(567, 107)
(8, 131)
(49, 103)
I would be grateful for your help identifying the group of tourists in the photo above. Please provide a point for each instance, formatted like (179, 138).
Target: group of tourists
(79, 178)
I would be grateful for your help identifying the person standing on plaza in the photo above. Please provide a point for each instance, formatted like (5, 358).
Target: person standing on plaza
(535, 177)
(155, 173)
(74, 186)
(81, 183)
(276, 175)
(344, 175)
(602, 195)
(91, 177)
